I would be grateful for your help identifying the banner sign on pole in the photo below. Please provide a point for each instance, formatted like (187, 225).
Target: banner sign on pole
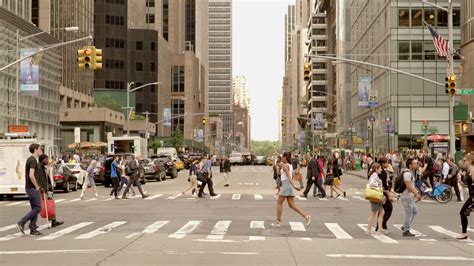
(364, 86)
(29, 74)
(318, 121)
(200, 135)
(77, 135)
(373, 98)
(167, 117)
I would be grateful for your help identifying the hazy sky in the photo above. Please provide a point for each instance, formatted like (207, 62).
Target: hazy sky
(258, 54)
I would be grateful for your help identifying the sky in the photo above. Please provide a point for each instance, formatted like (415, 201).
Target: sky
(258, 54)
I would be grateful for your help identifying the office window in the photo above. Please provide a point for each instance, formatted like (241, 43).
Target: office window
(150, 3)
(403, 18)
(139, 66)
(152, 67)
(107, 42)
(177, 79)
(429, 51)
(122, 21)
(457, 17)
(430, 16)
(416, 18)
(165, 19)
(107, 19)
(153, 46)
(404, 51)
(150, 18)
(122, 43)
(416, 51)
(442, 18)
(139, 45)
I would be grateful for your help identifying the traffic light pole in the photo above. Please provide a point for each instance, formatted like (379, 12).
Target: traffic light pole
(452, 135)
(129, 85)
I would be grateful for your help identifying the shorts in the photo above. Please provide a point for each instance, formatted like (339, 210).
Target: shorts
(375, 207)
(336, 181)
(286, 189)
(90, 181)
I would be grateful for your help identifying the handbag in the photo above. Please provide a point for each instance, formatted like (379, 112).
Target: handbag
(374, 195)
(298, 176)
(48, 209)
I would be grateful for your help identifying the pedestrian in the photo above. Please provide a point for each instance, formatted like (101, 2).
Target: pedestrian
(295, 163)
(192, 179)
(376, 209)
(409, 196)
(114, 175)
(89, 179)
(276, 174)
(206, 178)
(316, 191)
(387, 205)
(72, 160)
(444, 169)
(469, 204)
(33, 190)
(124, 174)
(225, 169)
(313, 175)
(135, 174)
(329, 178)
(46, 184)
(337, 174)
(428, 170)
(287, 191)
(452, 178)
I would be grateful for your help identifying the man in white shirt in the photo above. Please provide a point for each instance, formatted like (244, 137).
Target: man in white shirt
(444, 170)
(409, 196)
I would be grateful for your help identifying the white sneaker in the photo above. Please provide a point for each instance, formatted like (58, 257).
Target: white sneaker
(428, 190)
(97, 195)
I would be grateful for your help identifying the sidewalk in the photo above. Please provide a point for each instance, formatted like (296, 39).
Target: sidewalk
(361, 173)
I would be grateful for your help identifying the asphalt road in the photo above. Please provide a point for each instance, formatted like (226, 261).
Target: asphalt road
(232, 229)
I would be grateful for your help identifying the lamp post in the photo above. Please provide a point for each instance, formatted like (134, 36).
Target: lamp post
(18, 39)
(129, 85)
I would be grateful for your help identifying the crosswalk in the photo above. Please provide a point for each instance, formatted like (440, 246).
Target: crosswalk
(229, 231)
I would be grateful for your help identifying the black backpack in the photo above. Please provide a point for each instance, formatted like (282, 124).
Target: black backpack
(399, 185)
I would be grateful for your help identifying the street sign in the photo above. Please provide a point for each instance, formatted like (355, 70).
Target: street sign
(388, 119)
(17, 129)
(466, 91)
(373, 98)
(371, 119)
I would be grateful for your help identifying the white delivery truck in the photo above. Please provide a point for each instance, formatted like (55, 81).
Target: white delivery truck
(168, 151)
(13, 156)
(128, 145)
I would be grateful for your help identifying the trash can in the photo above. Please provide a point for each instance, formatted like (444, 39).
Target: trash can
(358, 164)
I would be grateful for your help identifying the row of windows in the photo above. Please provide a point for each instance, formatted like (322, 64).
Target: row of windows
(150, 3)
(114, 64)
(150, 18)
(219, 101)
(115, 20)
(114, 43)
(177, 78)
(220, 51)
(120, 2)
(218, 108)
(419, 50)
(219, 46)
(114, 84)
(415, 17)
(139, 66)
(139, 46)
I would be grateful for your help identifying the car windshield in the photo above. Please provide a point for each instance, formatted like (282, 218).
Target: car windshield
(235, 155)
(164, 159)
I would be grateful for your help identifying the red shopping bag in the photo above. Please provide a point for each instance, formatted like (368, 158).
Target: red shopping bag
(48, 209)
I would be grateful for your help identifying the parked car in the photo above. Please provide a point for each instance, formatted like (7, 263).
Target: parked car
(105, 172)
(179, 165)
(259, 160)
(170, 166)
(154, 169)
(64, 178)
(78, 170)
(236, 158)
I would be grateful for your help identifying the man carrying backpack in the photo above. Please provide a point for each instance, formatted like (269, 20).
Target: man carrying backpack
(405, 185)
(428, 170)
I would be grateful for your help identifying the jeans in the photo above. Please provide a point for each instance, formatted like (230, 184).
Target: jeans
(410, 212)
(34, 196)
(115, 184)
(316, 183)
(316, 189)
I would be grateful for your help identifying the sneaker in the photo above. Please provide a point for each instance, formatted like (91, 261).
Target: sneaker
(226, 185)
(385, 231)
(214, 195)
(56, 223)
(96, 195)
(276, 224)
(408, 233)
(462, 237)
(145, 196)
(36, 233)
(307, 220)
(21, 227)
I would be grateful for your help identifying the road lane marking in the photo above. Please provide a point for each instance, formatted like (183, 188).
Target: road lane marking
(382, 238)
(323, 199)
(297, 226)
(59, 200)
(109, 199)
(27, 232)
(8, 227)
(73, 200)
(154, 197)
(306, 239)
(258, 196)
(219, 230)
(257, 224)
(34, 252)
(16, 203)
(186, 229)
(172, 197)
(301, 198)
(89, 200)
(447, 232)
(417, 234)
(397, 257)
(153, 228)
(337, 231)
(65, 231)
(216, 197)
(341, 198)
(236, 196)
(102, 230)
(256, 238)
(358, 197)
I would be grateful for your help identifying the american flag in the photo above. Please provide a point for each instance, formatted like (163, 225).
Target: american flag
(440, 43)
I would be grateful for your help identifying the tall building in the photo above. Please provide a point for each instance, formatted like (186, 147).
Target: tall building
(240, 91)
(392, 33)
(220, 61)
(241, 110)
(39, 109)
(467, 78)
(290, 19)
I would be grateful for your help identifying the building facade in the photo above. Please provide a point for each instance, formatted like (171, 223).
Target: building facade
(392, 33)
(241, 111)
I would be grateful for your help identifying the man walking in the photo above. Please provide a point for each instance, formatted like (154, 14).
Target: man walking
(206, 179)
(452, 178)
(114, 176)
(225, 169)
(427, 175)
(409, 195)
(33, 190)
(313, 175)
(135, 178)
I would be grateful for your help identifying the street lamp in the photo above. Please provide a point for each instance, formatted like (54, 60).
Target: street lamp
(18, 39)
(129, 85)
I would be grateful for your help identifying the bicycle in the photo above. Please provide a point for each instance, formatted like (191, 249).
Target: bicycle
(442, 193)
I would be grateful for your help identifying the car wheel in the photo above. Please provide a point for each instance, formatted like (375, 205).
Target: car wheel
(66, 186)
(2, 197)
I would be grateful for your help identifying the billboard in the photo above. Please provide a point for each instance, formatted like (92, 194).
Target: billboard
(200, 134)
(29, 74)
(364, 87)
(318, 121)
(167, 117)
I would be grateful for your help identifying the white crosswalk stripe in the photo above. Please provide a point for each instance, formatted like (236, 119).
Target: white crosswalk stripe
(358, 197)
(257, 224)
(8, 227)
(382, 238)
(219, 230)
(154, 227)
(413, 231)
(258, 196)
(16, 203)
(102, 230)
(73, 200)
(323, 199)
(59, 200)
(447, 232)
(27, 232)
(216, 197)
(186, 229)
(341, 198)
(236, 196)
(154, 197)
(65, 231)
(297, 226)
(338, 232)
(172, 197)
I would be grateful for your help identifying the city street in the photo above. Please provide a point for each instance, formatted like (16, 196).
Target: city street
(233, 228)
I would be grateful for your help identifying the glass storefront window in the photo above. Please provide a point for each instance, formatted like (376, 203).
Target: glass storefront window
(430, 16)
(404, 51)
(416, 51)
(416, 18)
(403, 17)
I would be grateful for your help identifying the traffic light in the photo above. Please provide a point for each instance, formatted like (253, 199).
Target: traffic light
(132, 115)
(84, 57)
(204, 121)
(424, 127)
(97, 58)
(282, 122)
(451, 84)
(307, 72)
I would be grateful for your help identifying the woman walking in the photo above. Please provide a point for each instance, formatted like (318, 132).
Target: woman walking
(375, 208)
(469, 204)
(225, 169)
(192, 179)
(337, 173)
(287, 191)
(89, 180)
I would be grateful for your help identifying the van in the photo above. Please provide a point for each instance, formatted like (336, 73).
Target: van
(168, 151)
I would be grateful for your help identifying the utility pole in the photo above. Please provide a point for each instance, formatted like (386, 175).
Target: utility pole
(452, 135)
(146, 124)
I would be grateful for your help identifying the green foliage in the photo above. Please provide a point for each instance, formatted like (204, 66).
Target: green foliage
(108, 101)
(176, 140)
(154, 144)
(140, 117)
(263, 147)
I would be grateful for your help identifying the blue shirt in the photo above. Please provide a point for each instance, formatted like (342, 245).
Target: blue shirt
(113, 170)
(207, 166)
(90, 171)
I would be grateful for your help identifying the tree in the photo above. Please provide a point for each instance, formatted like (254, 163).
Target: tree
(154, 144)
(263, 147)
(176, 140)
(108, 101)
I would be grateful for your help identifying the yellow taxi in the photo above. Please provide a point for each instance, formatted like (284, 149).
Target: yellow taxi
(179, 164)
